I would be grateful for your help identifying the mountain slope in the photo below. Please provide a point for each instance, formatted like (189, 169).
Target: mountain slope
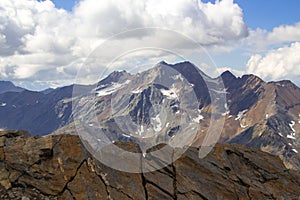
(58, 167)
(259, 114)
(7, 86)
(264, 115)
(37, 112)
(160, 105)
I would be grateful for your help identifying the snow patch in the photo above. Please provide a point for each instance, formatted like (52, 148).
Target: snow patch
(191, 84)
(197, 119)
(281, 85)
(226, 106)
(109, 90)
(126, 135)
(227, 110)
(291, 137)
(226, 113)
(140, 131)
(243, 126)
(241, 114)
(170, 94)
(292, 124)
(294, 150)
(158, 125)
(267, 116)
(3, 104)
(280, 134)
(137, 91)
(176, 77)
(101, 86)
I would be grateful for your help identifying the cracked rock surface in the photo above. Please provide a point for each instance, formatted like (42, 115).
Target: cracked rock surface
(58, 167)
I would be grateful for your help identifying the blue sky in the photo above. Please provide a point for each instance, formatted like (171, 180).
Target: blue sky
(65, 4)
(268, 14)
(45, 42)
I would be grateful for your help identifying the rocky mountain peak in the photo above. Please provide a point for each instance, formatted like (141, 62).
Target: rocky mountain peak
(284, 84)
(194, 76)
(251, 79)
(227, 76)
(115, 76)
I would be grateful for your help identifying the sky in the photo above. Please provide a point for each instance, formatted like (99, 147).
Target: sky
(52, 43)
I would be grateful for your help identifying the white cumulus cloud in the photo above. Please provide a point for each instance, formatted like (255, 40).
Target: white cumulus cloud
(280, 35)
(41, 43)
(277, 64)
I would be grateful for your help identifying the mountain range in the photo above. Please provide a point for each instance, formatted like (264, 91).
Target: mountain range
(260, 114)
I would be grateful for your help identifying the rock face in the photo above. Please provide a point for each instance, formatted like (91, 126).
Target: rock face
(264, 115)
(58, 167)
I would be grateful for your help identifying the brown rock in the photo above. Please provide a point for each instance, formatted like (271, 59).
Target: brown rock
(162, 180)
(2, 155)
(235, 172)
(4, 177)
(2, 141)
(14, 133)
(155, 193)
(122, 183)
(87, 185)
(58, 167)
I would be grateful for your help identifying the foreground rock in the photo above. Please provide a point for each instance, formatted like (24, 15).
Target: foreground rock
(58, 167)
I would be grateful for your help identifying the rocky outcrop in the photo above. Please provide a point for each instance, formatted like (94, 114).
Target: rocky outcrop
(58, 167)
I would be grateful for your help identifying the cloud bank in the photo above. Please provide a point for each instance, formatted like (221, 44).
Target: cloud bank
(41, 43)
(279, 53)
(282, 34)
(277, 64)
